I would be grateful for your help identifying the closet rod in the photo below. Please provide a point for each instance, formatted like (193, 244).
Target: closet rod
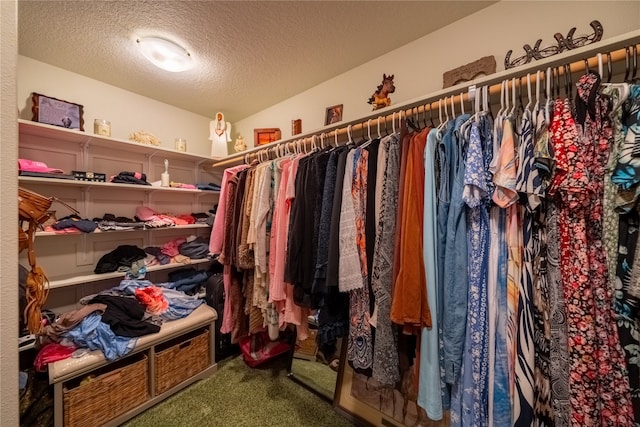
(575, 59)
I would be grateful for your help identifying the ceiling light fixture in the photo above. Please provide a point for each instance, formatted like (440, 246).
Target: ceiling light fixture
(165, 54)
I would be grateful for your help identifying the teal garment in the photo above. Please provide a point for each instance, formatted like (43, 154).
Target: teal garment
(429, 385)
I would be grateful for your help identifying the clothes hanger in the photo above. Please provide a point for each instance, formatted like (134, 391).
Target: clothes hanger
(462, 102)
(568, 81)
(635, 63)
(379, 135)
(623, 88)
(536, 106)
(528, 92)
(627, 64)
(609, 67)
(453, 107)
(441, 123)
(548, 96)
(393, 122)
(512, 112)
(433, 125)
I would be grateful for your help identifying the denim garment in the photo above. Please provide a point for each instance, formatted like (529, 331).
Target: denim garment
(429, 382)
(501, 398)
(443, 195)
(456, 281)
(187, 284)
(94, 334)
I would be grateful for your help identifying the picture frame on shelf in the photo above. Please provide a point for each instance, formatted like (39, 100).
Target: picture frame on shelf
(57, 112)
(265, 136)
(333, 114)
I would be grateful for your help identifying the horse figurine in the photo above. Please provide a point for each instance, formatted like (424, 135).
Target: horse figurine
(380, 98)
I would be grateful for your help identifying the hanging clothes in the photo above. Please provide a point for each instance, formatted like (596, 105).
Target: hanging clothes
(429, 388)
(476, 195)
(385, 356)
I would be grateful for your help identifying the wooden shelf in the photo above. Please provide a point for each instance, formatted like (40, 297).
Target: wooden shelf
(98, 231)
(72, 136)
(90, 278)
(90, 184)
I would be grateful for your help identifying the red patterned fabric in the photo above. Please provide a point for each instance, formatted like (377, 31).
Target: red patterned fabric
(598, 386)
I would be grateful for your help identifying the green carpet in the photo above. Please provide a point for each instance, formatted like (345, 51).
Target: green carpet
(238, 396)
(316, 375)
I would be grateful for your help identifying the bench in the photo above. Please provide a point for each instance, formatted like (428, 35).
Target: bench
(201, 319)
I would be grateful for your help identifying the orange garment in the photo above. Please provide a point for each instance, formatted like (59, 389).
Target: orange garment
(410, 305)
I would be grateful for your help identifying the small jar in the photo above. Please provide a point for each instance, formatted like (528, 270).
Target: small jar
(102, 127)
(181, 144)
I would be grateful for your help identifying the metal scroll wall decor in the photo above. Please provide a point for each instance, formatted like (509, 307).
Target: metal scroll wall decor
(563, 43)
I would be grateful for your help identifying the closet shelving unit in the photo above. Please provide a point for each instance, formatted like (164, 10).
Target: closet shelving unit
(69, 258)
(421, 108)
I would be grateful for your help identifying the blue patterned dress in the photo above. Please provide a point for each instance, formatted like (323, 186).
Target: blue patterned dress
(476, 195)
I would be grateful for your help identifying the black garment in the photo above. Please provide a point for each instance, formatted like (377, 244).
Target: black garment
(298, 231)
(319, 288)
(315, 189)
(334, 231)
(124, 316)
(122, 256)
(131, 178)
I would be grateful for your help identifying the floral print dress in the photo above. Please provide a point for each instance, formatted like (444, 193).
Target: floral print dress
(598, 385)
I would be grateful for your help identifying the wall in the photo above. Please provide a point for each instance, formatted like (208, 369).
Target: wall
(419, 65)
(128, 112)
(8, 218)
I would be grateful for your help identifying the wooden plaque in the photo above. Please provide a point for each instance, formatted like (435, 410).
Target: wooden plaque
(481, 67)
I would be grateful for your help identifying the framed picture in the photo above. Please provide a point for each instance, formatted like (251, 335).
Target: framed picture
(333, 115)
(57, 112)
(265, 136)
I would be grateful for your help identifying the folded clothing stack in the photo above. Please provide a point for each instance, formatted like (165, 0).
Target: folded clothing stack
(130, 178)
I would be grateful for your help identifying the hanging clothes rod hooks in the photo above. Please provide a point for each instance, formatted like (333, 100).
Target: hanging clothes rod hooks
(614, 50)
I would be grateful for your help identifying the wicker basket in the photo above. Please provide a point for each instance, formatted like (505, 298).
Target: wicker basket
(181, 359)
(308, 348)
(117, 389)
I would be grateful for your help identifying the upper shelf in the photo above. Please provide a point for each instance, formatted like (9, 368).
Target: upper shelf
(92, 184)
(27, 127)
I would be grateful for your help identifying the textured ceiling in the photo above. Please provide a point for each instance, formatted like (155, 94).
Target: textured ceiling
(249, 54)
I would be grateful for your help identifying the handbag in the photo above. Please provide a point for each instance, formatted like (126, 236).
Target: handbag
(34, 208)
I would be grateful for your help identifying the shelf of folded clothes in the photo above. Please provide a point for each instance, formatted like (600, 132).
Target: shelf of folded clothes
(74, 231)
(90, 184)
(89, 278)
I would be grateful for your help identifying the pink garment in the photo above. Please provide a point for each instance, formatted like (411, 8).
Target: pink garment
(278, 293)
(217, 231)
(51, 353)
(278, 237)
(227, 318)
(182, 185)
(171, 248)
(145, 213)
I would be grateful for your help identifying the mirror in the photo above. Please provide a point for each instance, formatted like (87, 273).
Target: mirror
(316, 367)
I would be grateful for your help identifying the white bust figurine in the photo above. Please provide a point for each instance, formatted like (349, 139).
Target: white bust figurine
(219, 135)
(240, 145)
